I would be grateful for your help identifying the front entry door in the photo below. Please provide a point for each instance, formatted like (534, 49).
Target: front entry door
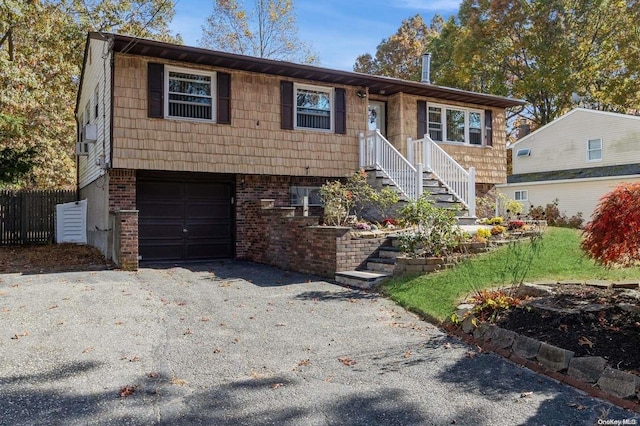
(377, 117)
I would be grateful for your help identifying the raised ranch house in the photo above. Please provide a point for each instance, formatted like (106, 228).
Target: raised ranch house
(575, 159)
(178, 145)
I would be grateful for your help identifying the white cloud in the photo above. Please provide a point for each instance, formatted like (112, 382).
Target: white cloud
(430, 5)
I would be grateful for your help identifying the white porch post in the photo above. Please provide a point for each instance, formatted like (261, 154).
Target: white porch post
(426, 146)
(410, 153)
(419, 175)
(378, 149)
(472, 192)
(362, 150)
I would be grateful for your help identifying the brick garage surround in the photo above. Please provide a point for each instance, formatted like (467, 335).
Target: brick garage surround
(122, 203)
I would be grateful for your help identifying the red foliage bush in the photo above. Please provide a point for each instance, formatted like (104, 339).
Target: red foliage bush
(613, 235)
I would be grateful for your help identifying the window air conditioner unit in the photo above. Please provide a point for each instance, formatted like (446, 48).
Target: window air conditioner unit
(89, 133)
(82, 148)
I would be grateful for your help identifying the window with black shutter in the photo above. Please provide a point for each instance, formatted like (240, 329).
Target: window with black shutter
(286, 105)
(224, 97)
(488, 120)
(155, 84)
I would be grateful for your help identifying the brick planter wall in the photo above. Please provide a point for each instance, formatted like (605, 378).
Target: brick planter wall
(250, 189)
(297, 243)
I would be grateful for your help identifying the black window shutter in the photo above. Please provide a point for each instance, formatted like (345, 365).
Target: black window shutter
(341, 111)
(488, 119)
(155, 84)
(422, 119)
(286, 105)
(224, 97)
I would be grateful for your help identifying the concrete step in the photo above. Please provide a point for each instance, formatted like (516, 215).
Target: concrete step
(467, 220)
(389, 252)
(361, 279)
(381, 265)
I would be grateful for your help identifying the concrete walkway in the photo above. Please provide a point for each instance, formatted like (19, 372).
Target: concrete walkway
(238, 343)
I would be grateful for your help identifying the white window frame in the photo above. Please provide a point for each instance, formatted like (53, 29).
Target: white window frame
(521, 195)
(332, 115)
(211, 74)
(523, 152)
(589, 151)
(306, 191)
(443, 123)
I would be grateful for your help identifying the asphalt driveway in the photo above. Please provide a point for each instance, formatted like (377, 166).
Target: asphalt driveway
(239, 343)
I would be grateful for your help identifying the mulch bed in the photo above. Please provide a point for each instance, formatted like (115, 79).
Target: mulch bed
(589, 321)
(51, 258)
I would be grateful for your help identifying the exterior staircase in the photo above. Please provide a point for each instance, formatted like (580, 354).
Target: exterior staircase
(427, 170)
(379, 267)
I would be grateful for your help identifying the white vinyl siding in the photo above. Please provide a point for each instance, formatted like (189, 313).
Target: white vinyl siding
(455, 124)
(562, 144)
(189, 94)
(95, 97)
(313, 107)
(576, 196)
(594, 150)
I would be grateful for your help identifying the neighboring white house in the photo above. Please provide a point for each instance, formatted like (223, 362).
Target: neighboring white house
(575, 159)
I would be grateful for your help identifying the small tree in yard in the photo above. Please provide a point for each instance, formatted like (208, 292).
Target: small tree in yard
(613, 235)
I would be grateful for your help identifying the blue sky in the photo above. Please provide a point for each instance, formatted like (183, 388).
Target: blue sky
(339, 30)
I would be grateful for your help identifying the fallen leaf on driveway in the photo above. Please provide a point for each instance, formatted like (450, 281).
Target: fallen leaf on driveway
(53, 306)
(347, 361)
(277, 385)
(577, 406)
(89, 349)
(583, 341)
(526, 394)
(127, 391)
(179, 382)
(563, 327)
(304, 363)
(153, 375)
(187, 331)
(407, 354)
(447, 345)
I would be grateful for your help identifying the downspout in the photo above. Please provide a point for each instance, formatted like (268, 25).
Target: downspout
(75, 117)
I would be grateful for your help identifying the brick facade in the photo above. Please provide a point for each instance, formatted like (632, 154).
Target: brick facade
(250, 189)
(296, 243)
(122, 202)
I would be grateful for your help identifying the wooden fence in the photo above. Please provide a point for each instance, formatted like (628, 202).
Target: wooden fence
(28, 217)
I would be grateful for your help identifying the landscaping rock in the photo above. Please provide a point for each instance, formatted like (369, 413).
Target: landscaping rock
(599, 283)
(553, 357)
(503, 338)
(526, 347)
(619, 383)
(634, 309)
(587, 368)
(469, 324)
(533, 290)
(481, 330)
(626, 284)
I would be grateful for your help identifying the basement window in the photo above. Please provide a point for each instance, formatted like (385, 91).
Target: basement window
(522, 195)
(524, 152)
(299, 192)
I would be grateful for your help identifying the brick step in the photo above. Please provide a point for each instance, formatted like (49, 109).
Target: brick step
(361, 279)
(389, 252)
(381, 265)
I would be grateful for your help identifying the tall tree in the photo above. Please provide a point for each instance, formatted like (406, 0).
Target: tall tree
(267, 30)
(556, 54)
(41, 47)
(400, 55)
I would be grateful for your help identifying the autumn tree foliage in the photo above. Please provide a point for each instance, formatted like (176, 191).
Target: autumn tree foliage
(613, 235)
(41, 52)
(265, 29)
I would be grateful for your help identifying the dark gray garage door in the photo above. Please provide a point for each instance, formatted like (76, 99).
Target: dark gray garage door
(184, 220)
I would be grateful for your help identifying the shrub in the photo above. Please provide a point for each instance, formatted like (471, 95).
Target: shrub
(344, 199)
(497, 230)
(613, 235)
(551, 213)
(484, 233)
(436, 229)
(490, 305)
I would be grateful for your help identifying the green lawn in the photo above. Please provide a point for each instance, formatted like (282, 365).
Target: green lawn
(436, 295)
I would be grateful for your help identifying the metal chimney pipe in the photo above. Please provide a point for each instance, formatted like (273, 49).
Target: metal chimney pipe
(426, 68)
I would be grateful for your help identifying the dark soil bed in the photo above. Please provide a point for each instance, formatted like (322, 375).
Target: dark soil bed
(51, 258)
(589, 321)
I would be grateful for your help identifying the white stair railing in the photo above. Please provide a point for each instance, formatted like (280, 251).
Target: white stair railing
(460, 183)
(378, 153)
